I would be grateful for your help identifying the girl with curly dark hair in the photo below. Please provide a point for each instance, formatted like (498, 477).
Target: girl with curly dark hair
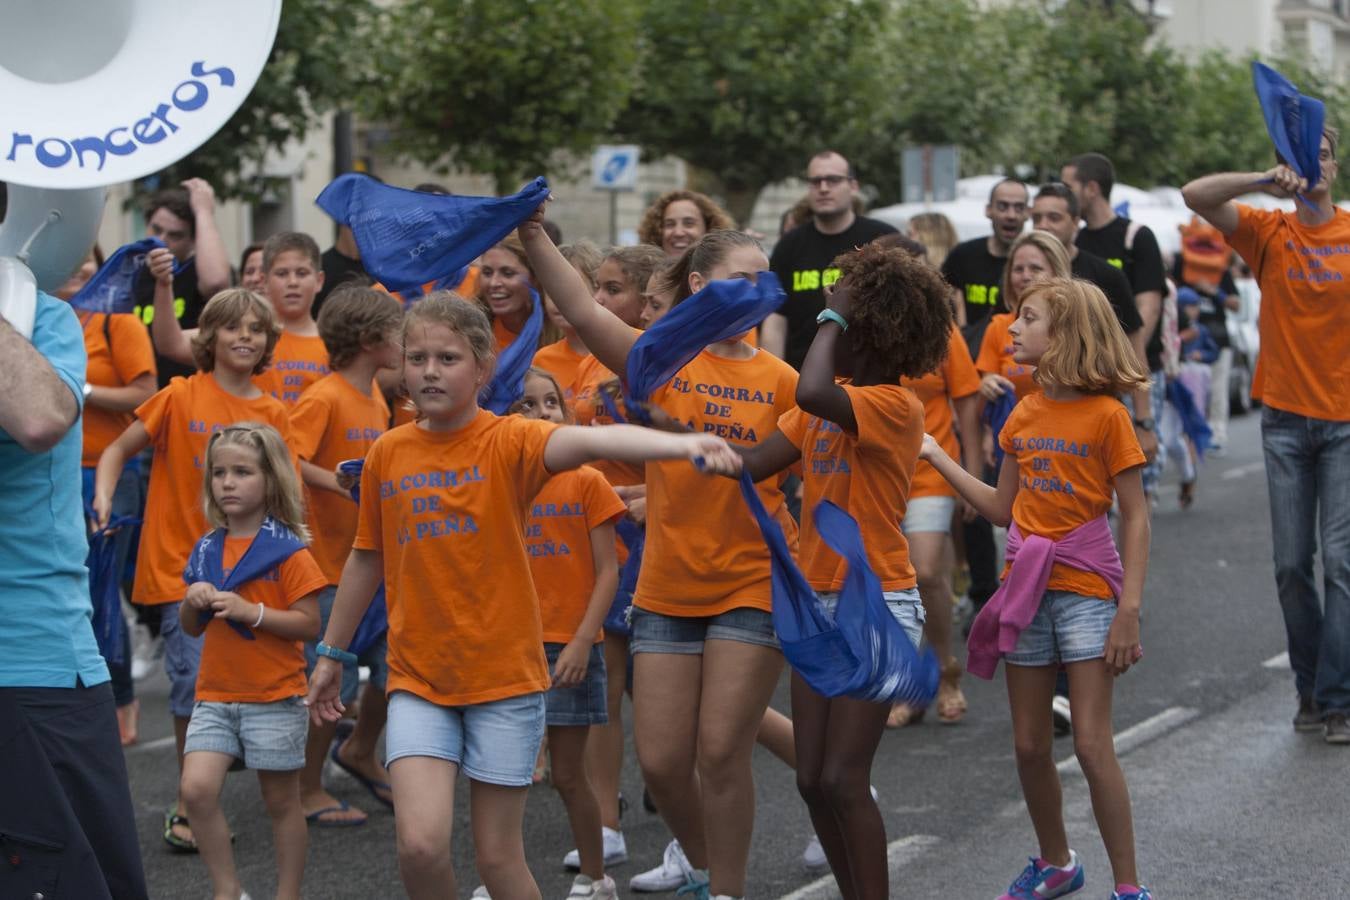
(858, 440)
(679, 218)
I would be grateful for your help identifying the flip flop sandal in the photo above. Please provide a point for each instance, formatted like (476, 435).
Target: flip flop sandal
(177, 844)
(317, 817)
(902, 715)
(369, 784)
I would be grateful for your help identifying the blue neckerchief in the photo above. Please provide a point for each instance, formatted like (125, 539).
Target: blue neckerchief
(862, 652)
(1192, 419)
(376, 620)
(996, 414)
(109, 290)
(271, 546)
(634, 537)
(408, 238)
(508, 381)
(721, 310)
(1293, 121)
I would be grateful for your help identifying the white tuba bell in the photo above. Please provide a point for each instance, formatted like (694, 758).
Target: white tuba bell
(97, 92)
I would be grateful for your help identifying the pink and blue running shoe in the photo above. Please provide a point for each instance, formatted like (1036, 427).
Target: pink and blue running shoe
(1141, 894)
(1040, 881)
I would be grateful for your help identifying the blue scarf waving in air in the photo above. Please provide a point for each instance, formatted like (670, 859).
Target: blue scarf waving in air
(1293, 121)
(271, 546)
(109, 290)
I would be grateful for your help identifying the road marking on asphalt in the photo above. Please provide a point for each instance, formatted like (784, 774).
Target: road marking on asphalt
(1278, 661)
(1242, 471)
(1139, 734)
(899, 852)
(156, 744)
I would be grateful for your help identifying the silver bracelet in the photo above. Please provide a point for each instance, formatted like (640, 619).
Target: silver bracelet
(262, 608)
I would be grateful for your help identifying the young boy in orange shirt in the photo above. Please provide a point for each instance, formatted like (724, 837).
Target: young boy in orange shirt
(294, 275)
(233, 343)
(338, 418)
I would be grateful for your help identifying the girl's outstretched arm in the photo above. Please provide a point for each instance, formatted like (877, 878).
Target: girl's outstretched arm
(769, 457)
(1122, 642)
(994, 503)
(571, 446)
(605, 334)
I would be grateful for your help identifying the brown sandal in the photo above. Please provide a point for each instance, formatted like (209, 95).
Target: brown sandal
(950, 703)
(903, 714)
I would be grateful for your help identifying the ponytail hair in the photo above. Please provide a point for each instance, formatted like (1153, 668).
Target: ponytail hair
(702, 257)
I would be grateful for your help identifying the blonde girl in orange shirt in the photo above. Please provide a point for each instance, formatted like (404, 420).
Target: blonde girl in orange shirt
(249, 691)
(1069, 448)
(442, 520)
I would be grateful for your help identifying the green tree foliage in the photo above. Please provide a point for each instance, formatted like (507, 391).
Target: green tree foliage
(746, 92)
(509, 88)
(318, 64)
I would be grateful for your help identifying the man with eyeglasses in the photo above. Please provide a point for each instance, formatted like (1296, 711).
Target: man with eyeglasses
(804, 258)
(1301, 259)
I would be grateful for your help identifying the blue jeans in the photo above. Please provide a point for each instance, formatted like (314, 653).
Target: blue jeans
(1308, 470)
(1157, 399)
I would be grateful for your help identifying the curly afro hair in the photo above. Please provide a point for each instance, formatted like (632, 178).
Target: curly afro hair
(715, 218)
(901, 319)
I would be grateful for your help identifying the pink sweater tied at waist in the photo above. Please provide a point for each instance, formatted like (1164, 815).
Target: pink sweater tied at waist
(1088, 548)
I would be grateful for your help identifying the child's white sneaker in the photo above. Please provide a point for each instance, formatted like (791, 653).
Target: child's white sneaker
(585, 888)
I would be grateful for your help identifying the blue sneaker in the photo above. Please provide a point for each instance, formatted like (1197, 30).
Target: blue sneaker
(1141, 894)
(1039, 882)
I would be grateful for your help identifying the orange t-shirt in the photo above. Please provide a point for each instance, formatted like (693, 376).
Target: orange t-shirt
(867, 475)
(996, 356)
(447, 510)
(589, 409)
(269, 667)
(1304, 366)
(954, 379)
(334, 422)
(705, 554)
(562, 362)
(180, 420)
(558, 539)
(119, 351)
(1068, 454)
(297, 362)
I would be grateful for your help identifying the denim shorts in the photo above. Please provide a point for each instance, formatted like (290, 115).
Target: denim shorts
(266, 736)
(905, 606)
(578, 704)
(655, 632)
(182, 658)
(1067, 628)
(495, 742)
(928, 514)
(372, 657)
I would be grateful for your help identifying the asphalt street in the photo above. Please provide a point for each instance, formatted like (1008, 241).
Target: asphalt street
(1229, 801)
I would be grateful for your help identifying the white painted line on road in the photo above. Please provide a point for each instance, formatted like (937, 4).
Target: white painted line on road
(1242, 471)
(1278, 661)
(156, 744)
(898, 853)
(1141, 733)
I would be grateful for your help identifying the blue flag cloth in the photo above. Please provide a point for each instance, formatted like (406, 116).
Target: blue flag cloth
(271, 546)
(1192, 419)
(508, 381)
(862, 652)
(1122, 209)
(105, 586)
(1293, 121)
(109, 290)
(376, 620)
(634, 538)
(408, 238)
(721, 310)
(995, 415)
(353, 467)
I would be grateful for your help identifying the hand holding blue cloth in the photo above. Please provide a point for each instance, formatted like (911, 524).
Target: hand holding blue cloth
(105, 585)
(376, 620)
(271, 546)
(408, 238)
(1293, 121)
(110, 288)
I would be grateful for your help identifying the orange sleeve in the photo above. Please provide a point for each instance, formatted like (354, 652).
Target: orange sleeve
(792, 425)
(1010, 427)
(602, 503)
(156, 414)
(989, 357)
(962, 377)
(132, 353)
(1120, 445)
(532, 436)
(368, 524)
(1252, 232)
(309, 423)
(301, 577)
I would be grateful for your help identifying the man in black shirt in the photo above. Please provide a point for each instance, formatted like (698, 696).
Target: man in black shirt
(1133, 249)
(1055, 210)
(185, 220)
(804, 258)
(975, 267)
(341, 265)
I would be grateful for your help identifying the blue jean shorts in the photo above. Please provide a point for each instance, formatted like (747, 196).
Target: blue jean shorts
(1067, 628)
(655, 632)
(495, 742)
(577, 704)
(905, 606)
(182, 658)
(266, 736)
(372, 657)
(923, 514)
